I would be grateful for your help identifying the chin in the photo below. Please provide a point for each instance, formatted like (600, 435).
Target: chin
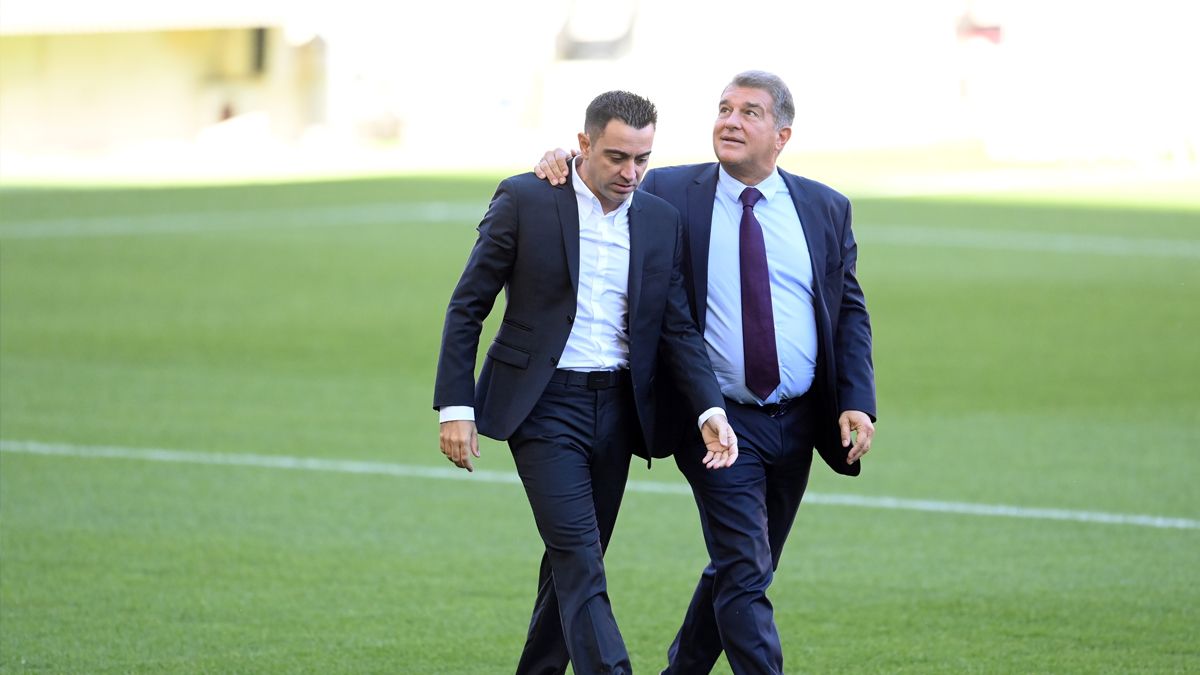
(727, 156)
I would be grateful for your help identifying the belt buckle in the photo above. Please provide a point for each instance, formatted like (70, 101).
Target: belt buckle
(599, 379)
(779, 408)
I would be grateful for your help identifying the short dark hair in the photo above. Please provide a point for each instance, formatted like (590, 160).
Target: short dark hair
(631, 109)
(784, 109)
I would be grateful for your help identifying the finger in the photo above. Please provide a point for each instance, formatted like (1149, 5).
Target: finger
(456, 450)
(475, 445)
(560, 164)
(866, 435)
(717, 459)
(459, 455)
(554, 165)
(844, 425)
(727, 438)
(863, 445)
(720, 459)
(853, 454)
(553, 172)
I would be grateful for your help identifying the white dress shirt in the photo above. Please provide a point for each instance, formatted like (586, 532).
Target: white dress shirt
(599, 338)
(790, 271)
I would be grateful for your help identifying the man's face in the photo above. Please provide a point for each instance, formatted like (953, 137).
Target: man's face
(744, 136)
(614, 161)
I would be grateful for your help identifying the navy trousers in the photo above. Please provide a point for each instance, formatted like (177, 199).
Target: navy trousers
(573, 454)
(746, 512)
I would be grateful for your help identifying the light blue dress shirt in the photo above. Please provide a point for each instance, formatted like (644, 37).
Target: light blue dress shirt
(790, 268)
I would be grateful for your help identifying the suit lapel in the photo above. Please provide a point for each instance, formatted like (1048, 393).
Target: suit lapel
(638, 241)
(568, 216)
(813, 223)
(700, 199)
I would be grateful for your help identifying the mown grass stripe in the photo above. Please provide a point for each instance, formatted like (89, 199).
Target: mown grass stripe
(398, 213)
(383, 213)
(1041, 242)
(417, 471)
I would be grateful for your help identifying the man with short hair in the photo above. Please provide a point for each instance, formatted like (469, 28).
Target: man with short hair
(595, 307)
(770, 268)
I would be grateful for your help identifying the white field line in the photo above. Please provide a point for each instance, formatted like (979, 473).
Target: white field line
(398, 213)
(414, 471)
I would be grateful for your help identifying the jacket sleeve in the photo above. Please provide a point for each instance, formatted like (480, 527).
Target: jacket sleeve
(852, 334)
(682, 348)
(487, 271)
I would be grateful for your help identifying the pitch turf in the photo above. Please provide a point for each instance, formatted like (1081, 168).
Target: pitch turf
(1032, 355)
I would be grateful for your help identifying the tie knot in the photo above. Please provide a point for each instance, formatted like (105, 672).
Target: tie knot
(750, 197)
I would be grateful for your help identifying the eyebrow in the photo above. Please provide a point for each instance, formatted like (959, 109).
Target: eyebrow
(748, 104)
(621, 154)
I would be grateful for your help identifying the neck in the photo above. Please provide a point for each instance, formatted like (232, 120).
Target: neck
(749, 175)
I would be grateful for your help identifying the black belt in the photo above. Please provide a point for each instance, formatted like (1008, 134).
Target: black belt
(778, 409)
(592, 379)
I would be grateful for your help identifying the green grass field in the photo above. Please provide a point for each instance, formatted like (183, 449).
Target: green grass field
(219, 457)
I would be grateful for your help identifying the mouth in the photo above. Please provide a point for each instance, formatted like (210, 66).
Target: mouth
(731, 139)
(623, 187)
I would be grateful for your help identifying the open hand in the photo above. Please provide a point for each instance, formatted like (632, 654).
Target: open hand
(859, 422)
(720, 441)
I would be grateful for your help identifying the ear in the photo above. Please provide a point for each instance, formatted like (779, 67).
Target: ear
(585, 145)
(781, 140)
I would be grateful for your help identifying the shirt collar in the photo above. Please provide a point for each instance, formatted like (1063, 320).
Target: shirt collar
(585, 196)
(732, 188)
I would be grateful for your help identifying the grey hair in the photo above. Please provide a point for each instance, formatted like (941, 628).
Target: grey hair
(784, 107)
(631, 109)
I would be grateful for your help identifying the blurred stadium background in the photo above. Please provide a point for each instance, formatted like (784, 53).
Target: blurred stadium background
(228, 232)
(229, 88)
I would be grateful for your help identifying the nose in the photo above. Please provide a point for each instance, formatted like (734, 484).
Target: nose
(629, 171)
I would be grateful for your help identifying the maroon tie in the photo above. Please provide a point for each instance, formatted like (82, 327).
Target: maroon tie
(758, 321)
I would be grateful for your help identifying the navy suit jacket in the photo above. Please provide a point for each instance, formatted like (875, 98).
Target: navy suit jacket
(529, 245)
(845, 376)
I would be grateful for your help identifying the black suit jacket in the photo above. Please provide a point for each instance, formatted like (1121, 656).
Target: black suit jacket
(845, 376)
(529, 245)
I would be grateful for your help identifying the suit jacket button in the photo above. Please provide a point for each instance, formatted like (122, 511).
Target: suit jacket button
(554, 360)
(570, 318)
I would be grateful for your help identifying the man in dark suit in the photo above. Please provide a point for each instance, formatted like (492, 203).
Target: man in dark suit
(595, 308)
(770, 268)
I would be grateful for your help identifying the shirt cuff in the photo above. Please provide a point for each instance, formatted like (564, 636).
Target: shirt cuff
(454, 413)
(709, 413)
